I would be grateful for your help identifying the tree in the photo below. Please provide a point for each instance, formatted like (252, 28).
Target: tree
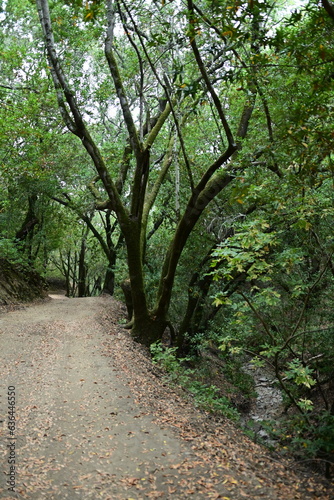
(205, 183)
(192, 132)
(181, 111)
(39, 160)
(281, 313)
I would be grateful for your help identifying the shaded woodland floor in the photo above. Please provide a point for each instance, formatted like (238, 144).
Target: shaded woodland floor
(95, 419)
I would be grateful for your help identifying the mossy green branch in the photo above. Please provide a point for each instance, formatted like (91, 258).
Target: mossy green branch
(157, 127)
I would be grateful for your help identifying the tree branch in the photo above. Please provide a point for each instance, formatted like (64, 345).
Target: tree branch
(166, 88)
(16, 88)
(206, 78)
(109, 53)
(76, 124)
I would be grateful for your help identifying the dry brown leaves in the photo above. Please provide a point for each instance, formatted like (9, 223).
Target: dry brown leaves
(227, 465)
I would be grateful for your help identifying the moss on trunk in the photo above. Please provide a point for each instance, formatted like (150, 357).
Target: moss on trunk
(148, 330)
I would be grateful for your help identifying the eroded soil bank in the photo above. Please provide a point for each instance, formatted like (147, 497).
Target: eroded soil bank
(94, 419)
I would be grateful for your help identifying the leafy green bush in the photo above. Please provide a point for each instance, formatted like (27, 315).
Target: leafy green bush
(309, 439)
(206, 396)
(10, 252)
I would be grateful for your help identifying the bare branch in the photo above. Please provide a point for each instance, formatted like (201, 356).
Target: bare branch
(121, 94)
(206, 78)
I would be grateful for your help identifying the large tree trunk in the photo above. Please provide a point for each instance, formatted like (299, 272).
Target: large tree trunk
(24, 236)
(148, 330)
(206, 190)
(30, 220)
(109, 281)
(147, 326)
(82, 270)
(126, 289)
(136, 276)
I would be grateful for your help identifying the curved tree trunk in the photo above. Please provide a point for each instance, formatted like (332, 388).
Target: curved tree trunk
(147, 326)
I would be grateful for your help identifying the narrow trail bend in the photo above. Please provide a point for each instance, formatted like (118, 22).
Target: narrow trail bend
(94, 419)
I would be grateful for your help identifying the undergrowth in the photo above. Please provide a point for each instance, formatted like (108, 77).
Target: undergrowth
(206, 396)
(309, 441)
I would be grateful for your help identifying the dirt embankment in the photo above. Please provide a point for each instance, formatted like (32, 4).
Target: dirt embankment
(95, 419)
(18, 284)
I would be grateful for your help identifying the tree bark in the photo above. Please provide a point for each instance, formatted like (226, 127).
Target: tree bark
(82, 269)
(329, 8)
(147, 326)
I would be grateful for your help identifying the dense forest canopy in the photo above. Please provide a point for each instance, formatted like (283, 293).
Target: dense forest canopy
(181, 150)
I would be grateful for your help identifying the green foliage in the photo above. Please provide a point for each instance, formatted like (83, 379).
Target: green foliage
(246, 251)
(270, 285)
(10, 251)
(90, 10)
(165, 356)
(205, 396)
(310, 440)
(301, 375)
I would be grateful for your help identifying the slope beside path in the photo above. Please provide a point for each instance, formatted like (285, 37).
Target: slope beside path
(94, 419)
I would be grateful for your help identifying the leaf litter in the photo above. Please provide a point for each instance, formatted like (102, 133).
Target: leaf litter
(95, 419)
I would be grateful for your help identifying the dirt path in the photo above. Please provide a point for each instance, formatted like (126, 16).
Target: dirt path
(94, 419)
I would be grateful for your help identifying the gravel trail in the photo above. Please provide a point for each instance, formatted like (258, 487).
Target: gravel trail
(78, 432)
(85, 415)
